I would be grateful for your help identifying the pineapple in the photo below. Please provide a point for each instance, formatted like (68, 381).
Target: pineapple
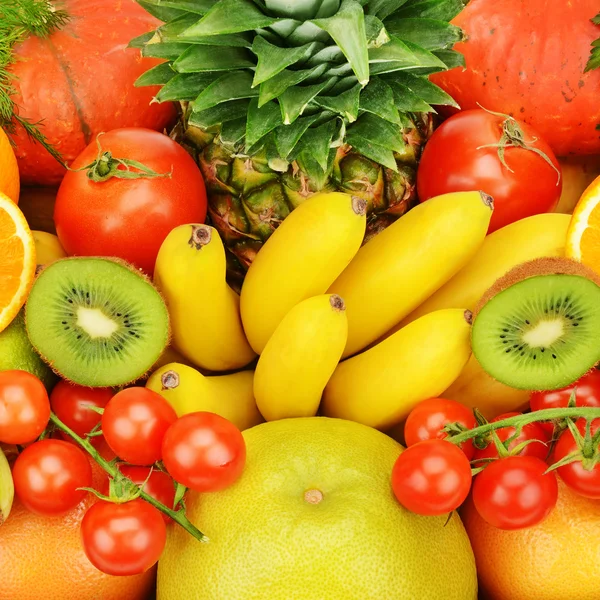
(285, 98)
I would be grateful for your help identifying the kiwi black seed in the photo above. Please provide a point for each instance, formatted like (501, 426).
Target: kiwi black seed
(538, 327)
(96, 321)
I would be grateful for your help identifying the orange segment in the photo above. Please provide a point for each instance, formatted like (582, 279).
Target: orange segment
(9, 170)
(17, 260)
(583, 235)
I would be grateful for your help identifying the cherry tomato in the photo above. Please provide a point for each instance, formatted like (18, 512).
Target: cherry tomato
(585, 481)
(24, 407)
(531, 431)
(129, 218)
(428, 418)
(432, 477)
(47, 476)
(123, 539)
(159, 485)
(515, 492)
(204, 452)
(134, 424)
(460, 156)
(71, 404)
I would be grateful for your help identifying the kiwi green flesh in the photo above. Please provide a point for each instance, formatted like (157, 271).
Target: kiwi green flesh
(542, 333)
(96, 321)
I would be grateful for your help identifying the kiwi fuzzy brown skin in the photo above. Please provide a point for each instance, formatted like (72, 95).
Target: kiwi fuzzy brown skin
(129, 267)
(533, 268)
(539, 266)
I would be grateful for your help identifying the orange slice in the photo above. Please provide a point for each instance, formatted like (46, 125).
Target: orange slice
(17, 260)
(9, 170)
(583, 235)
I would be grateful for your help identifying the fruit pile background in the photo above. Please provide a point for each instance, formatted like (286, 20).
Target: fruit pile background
(299, 299)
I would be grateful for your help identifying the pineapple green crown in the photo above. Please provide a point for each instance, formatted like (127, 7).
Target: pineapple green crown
(298, 78)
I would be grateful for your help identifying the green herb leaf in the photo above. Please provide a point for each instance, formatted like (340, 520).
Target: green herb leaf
(594, 61)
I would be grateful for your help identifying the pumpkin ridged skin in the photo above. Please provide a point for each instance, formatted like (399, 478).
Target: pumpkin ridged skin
(79, 82)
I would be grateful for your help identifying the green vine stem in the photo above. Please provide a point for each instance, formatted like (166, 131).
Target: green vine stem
(111, 468)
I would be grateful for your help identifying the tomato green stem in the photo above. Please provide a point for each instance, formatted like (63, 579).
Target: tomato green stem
(111, 468)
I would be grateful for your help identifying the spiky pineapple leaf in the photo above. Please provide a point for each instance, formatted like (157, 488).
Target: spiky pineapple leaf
(307, 32)
(378, 98)
(196, 7)
(377, 153)
(141, 40)
(329, 54)
(231, 86)
(376, 32)
(396, 51)
(378, 131)
(427, 33)
(317, 141)
(347, 28)
(168, 51)
(158, 75)
(287, 136)
(228, 111)
(230, 16)
(384, 8)
(305, 10)
(345, 104)
(261, 121)
(233, 132)
(184, 86)
(450, 58)
(162, 13)
(272, 59)
(275, 87)
(172, 30)
(442, 10)
(406, 100)
(425, 89)
(295, 99)
(199, 58)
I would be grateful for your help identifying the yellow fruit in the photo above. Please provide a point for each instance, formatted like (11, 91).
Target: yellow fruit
(187, 390)
(534, 237)
(313, 517)
(47, 248)
(577, 173)
(475, 388)
(170, 355)
(205, 317)
(382, 385)
(9, 169)
(403, 265)
(300, 357)
(300, 260)
(7, 488)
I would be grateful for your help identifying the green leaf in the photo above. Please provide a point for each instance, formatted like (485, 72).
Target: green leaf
(406, 100)
(261, 121)
(273, 60)
(231, 86)
(380, 132)
(275, 87)
(376, 32)
(427, 33)
(307, 32)
(185, 86)
(168, 51)
(141, 40)
(594, 61)
(230, 16)
(425, 89)
(347, 28)
(378, 98)
(384, 8)
(450, 58)
(345, 104)
(285, 27)
(329, 54)
(287, 136)
(158, 75)
(301, 11)
(379, 154)
(196, 7)
(343, 85)
(199, 58)
(222, 113)
(171, 32)
(295, 99)
(317, 141)
(395, 51)
(424, 57)
(442, 10)
(162, 13)
(233, 132)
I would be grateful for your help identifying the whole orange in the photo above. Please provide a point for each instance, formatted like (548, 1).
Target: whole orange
(555, 560)
(42, 557)
(9, 171)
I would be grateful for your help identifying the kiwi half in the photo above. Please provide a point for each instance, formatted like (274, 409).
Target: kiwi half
(96, 321)
(538, 327)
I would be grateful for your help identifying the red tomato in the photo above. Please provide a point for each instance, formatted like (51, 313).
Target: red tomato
(428, 418)
(159, 485)
(531, 431)
(455, 160)
(204, 452)
(71, 404)
(515, 492)
(123, 539)
(134, 424)
(47, 476)
(129, 218)
(24, 407)
(582, 479)
(432, 477)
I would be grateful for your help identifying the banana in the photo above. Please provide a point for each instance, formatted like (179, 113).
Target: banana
(382, 385)
(300, 260)
(205, 317)
(7, 488)
(407, 262)
(475, 388)
(522, 241)
(187, 390)
(300, 357)
(47, 248)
